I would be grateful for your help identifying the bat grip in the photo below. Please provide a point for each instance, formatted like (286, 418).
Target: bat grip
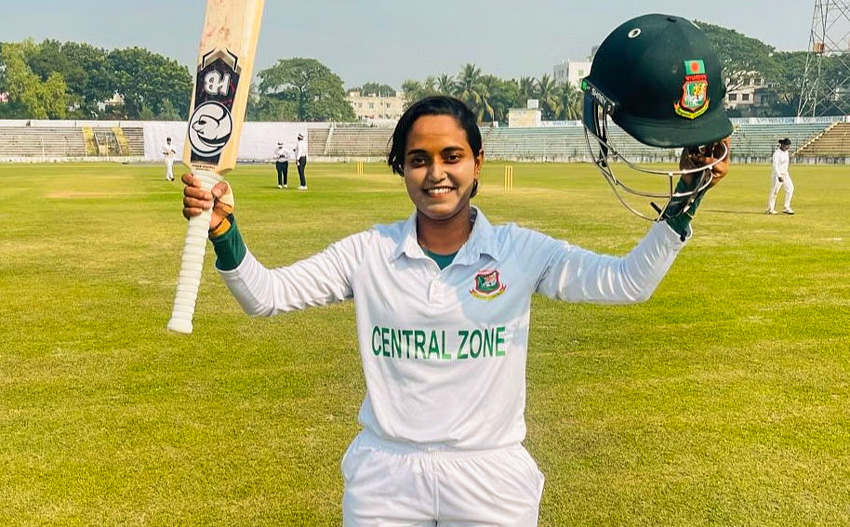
(189, 279)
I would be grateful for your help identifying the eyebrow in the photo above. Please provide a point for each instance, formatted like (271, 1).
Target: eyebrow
(447, 150)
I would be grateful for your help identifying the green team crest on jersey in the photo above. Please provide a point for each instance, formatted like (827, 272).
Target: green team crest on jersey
(487, 285)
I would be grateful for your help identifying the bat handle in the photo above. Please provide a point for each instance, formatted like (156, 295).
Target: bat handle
(192, 264)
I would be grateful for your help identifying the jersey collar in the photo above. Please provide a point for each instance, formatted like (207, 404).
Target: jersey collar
(482, 240)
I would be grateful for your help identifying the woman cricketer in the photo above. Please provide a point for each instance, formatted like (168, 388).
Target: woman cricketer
(442, 302)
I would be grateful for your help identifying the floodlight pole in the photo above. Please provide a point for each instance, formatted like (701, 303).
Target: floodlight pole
(826, 90)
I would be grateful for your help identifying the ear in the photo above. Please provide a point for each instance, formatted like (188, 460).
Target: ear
(479, 162)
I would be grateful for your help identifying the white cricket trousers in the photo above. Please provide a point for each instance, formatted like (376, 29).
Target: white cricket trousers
(169, 168)
(786, 184)
(392, 484)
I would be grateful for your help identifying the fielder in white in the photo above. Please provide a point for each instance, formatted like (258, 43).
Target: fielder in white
(169, 153)
(780, 178)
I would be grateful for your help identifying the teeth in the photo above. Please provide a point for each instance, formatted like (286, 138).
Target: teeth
(440, 190)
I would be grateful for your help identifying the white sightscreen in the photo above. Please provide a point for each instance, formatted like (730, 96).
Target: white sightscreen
(258, 143)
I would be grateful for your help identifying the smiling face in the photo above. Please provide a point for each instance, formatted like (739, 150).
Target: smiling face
(440, 168)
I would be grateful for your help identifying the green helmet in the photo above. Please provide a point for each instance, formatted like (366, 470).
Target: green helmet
(659, 79)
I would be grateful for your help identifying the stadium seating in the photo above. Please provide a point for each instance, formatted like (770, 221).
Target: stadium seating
(357, 142)
(563, 143)
(56, 143)
(317, 142)
(751, 142)
(757, 142)
(41, 143)
(832, 144)
(135, 136)
(538, 144)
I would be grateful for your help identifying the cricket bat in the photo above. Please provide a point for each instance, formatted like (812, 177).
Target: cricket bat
(219, 98)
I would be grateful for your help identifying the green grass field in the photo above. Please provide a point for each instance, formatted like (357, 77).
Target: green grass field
(723, 401)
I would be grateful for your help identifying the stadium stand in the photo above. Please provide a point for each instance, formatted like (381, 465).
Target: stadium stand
(832, 144)
(107, 143)
(638, 152)
(750, 143)
(135, 136)
(317, 141)
(41, 143)
(346, 142)
(753, 141)
(539, 144)
(67, 142)
(757, 142)
(562, 143)
(64, 142)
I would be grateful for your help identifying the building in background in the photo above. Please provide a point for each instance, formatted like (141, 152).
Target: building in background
(376, 108)
(746, 93)
(528, 117)
(571, 71)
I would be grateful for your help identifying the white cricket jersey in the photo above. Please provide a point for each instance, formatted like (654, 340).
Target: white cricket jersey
(781, 160)
(300, 149)
(444, 351)
(281, 154)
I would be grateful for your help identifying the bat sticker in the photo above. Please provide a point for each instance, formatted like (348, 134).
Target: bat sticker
(211, 123)
(209, 129)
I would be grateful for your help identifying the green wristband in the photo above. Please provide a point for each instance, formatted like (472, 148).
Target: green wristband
(229, 248)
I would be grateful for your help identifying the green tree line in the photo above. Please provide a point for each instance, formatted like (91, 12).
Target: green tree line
(55, 80)
(491, 97)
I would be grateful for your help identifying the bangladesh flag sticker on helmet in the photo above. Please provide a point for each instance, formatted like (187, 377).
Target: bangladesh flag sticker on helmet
(694, 101)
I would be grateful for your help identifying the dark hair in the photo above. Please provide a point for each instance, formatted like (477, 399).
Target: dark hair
(785, 141)
(434, 105)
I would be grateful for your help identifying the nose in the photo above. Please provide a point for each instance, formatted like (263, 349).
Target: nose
(436, 171)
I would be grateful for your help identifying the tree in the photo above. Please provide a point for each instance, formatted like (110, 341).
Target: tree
(743, 58)
(168, 112)
(547, 93)
(785, 88)
(415, 90)
(85, 70)
(146, 81)
(468, 88)
(503, 96)
(30, 97)
(446, 84)
(95, 80)
(568, 103)
(262, 108)
(486, 95)
(377, 90)
(488, 89)
(308, 88)
(527, 90)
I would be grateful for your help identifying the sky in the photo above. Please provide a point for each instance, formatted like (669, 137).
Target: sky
(390, 41)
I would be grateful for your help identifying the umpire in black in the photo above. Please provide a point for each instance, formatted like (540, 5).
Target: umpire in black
(281, 156)
(301, 159)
